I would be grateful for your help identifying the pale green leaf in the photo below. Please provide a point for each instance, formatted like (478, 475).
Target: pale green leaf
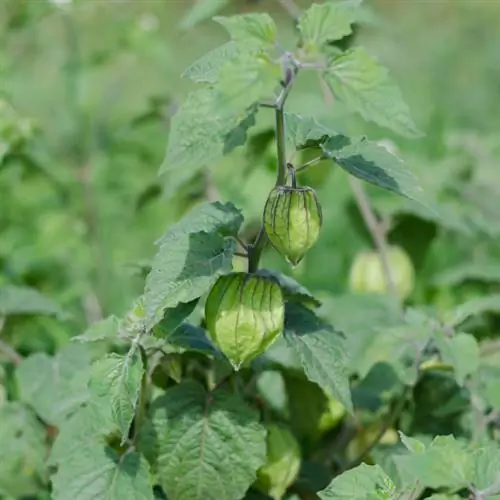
(117, 380)
(199, 133)
(321, 351)
(192, 254)
(200, 11)
(473, 307)
(446, 463)
(210, 445)
(247, 79)
(22, 452)
(465, 271)
(105, 329)
(365, 482)
(292, 290)
(460, 351)
(96, 471)
(486, 468)
(55, 387)
(412, 444)
(364, 86)
(250, 29)
(322, 23)
(22, 300)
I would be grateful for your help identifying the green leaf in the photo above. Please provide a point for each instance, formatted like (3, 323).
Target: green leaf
(374, 164)
(191, 256)
(490, 303)
(210, 445)
(250, 29)
(460, 351)
(97, 471)
(292, 290)
(199, 133)
(55, 387)
(486, 468)
(247, 79)
(465, 271)
(207, 68)
(173, 318)
(22, 300)
(364, 86)
(322, 23)
(365, 482)
(193, 338)
(446, 463)
(117, 380)
(22, 452)
(105, 329)
(321, 351)
(201, 11)
(304, 131)
(412, 444)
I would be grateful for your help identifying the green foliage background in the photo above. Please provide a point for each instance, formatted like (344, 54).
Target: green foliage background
(87, 93)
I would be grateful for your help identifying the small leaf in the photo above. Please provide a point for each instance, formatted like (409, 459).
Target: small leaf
(192, 338)
(210, 445)
(22, 452)
(461, 351)
(191, 256)
(201, 11)
(322, 23)
(412, 444)
(292, 290)
(173, 318)
(105, 329)
(55, 387)
(362, 483)
(364, 86)
(97, 471)
(117, 380)
(22, 300)
(250, 29)
(490, 303)
(321, 351)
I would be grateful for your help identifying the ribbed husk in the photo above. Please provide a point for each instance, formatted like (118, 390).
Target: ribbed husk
(244, 314)
(292, 219)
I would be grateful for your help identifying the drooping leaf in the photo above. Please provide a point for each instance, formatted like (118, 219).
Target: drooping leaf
(489, 303)
(201, 11)
(55, 387)
(106, 329)
(210, 445)
(326, 22)
(198, 134)
(22, 300)
(117, 380)
(364, 86)
(192, 338)
(250, 29)
(192, 254)
(321, 351)
(97, 471)
(460, 351)
(23, 470)
(173, 318)
(292, 289)
(362, 483)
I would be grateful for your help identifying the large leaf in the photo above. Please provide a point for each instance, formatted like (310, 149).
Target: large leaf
(117, 380)
(365, 482)
(22, 452)
(199, 134)
(321, 351)
(210, 445)
(325, 22)
(250, 29)
(364, 86)
(24, 300)
(97, 471)
(191, 256)
(55, 387)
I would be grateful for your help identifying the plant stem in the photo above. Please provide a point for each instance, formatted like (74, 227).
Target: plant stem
(376, 230)
(310, 163)
(10, 353)
(141, 403)
(255, 250)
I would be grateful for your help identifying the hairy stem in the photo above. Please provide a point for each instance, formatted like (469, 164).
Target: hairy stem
(255, 251)
(140, 413)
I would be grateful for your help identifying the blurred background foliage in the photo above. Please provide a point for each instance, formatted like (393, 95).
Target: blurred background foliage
(87, 89)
